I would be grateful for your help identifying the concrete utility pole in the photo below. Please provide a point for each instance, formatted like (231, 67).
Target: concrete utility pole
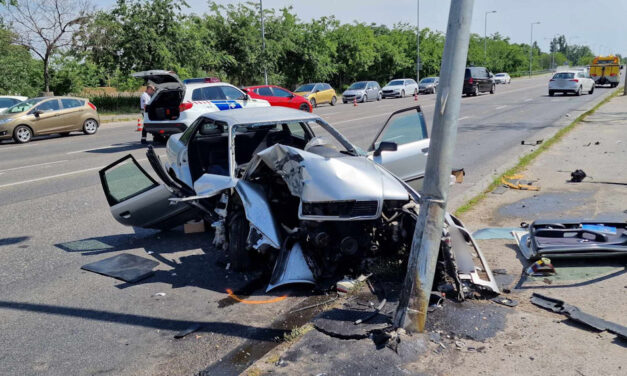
(485, 38)
(411, 313)
(417, 40)
(531, 47)
(263, 44)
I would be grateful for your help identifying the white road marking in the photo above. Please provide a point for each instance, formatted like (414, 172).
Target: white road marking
(528, 99)
(500, 107)
(35, 165)
(361, 118)
(465, 117)
(57, 175)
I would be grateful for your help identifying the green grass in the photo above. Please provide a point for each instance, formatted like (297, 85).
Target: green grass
(115, 104)
(524, 161)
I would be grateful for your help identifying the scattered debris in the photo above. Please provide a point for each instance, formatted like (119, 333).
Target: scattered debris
(505, 301)
(347, 284)
(574, 313)
(517, 182)
(459, 175)
(191, 329)
(495, 233)
(577, 176)
(372, 314)
(460, 344)
(538, 142)
(194, 226)
(125, 266)
(541, 267)
(315, 305)
(159, 294)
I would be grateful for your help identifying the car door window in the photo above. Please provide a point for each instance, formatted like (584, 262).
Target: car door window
(403, 128)
(297, 130)
(124, 180)
(265, 91)
(51, 105)
(281, 93)
(232, 93)
(7, 102)
(71, 103)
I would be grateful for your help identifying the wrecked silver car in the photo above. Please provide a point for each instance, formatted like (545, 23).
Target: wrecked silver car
(284, 187)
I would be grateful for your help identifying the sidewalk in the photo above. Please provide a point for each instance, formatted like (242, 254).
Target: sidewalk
(119, 117)
(483, 338)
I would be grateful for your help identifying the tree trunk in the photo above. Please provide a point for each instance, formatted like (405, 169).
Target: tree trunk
(46, 75)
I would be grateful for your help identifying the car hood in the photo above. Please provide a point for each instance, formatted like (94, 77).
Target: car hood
(302, 93)
(398, 87)
(427, 84)
(353, 92)
(314, 178)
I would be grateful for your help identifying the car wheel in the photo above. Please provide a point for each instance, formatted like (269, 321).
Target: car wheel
(379, 97)
(578, 92)
(475, 91)
(492, 89)
(403, 94)
(64, 134)
(90, 126)
(364, 99)
(591, 90)
(238, 228)
(333, 101)
(313, 102)
(304, 107)
(22, 134)
(415, 92)
(551, 93)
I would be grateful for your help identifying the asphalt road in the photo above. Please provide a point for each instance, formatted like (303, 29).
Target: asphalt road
(57, 319)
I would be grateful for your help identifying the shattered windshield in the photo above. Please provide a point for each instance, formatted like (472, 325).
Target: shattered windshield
(329, 138)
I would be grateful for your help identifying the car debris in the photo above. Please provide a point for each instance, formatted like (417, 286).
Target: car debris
(191, 329)
(574, 313)
(537, 142)
(125, 266)
(572, 239)
(517, 182)
(540, 268)
(285, 190)
(505, 301)
(577, 176)
(347, 284)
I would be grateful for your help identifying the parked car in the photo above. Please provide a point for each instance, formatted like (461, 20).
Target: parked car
(48, 115)
(177, 104)
(575, 82)
(399, 88)
(502, 78)
(478, 80)
(362, 91)
(278, 96)
(429, 85)
(317, 93)
(7, 101)
(284, 189)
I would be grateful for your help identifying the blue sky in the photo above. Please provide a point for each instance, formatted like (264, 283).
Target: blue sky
(599, 24)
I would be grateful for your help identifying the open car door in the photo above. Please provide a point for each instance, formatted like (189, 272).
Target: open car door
(136, 199)
(402, 145)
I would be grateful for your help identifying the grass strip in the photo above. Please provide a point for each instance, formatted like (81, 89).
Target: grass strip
(525, 160)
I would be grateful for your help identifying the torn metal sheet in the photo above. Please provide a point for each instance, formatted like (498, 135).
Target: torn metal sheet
(290, 267)
(125, 266)
(258, 213)
(574, 313)
(209, 185)
(522, 239)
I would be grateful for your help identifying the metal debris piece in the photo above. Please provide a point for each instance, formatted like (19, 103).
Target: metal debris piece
(577, 176)
(372, 314)
(191, 329)
(125, 266)
(505, 301)
(559, 306)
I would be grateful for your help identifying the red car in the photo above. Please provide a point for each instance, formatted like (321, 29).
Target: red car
(277, 96)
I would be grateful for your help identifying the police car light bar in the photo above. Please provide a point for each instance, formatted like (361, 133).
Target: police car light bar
(201, 80)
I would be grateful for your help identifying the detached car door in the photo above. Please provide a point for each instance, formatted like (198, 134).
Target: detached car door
(406, 131)
(136, 199)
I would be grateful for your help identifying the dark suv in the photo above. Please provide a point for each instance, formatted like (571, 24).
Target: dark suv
(478, 80)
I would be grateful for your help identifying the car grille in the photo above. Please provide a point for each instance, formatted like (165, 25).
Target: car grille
(342, 209)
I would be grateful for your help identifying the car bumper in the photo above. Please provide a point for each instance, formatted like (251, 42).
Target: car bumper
(469, 88)
(165, 128)
(390, 94)
(5, 134)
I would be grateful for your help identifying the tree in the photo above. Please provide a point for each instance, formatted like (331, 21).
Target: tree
(46, 26)
(21, 74)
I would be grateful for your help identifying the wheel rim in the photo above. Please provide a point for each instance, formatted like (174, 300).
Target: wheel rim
(23, 134)
(91, 126)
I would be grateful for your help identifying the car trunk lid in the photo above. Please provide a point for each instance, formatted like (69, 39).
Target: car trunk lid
(165, 102)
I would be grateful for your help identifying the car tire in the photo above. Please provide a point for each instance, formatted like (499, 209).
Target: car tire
(475, 91)
(333, 101)
(403, 94)
(379, 97)
(551, 93)
(591, 90)
(313, 103)
(493, 89)
(578, 92)
(304, 107)
(364, 99)
(22, 134)
(90, 126)
(238, 228)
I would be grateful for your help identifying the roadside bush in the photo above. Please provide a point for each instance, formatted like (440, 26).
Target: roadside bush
(121, 104)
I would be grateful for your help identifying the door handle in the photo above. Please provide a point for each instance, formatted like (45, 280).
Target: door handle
(126, 214)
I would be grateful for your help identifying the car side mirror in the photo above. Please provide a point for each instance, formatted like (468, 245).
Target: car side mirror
(317, 90)
(37, 113)
(385, 146)
(246, 97)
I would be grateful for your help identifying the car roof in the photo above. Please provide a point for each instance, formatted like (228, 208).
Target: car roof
(569, 71)
(208, 84)
(260, 115)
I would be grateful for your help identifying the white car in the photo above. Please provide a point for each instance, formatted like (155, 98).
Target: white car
(7, 101)
(575, 82)
(400, 88)
(176, 104)
(502, 78)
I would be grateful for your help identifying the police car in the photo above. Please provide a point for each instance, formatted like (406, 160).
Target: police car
(176, 104)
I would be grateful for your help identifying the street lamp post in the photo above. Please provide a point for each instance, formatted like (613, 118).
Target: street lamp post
(417, 40)
(263, 44)
(485, 38)
(531, 46)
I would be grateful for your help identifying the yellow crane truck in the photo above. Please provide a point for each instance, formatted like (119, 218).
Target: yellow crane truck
(605, 70)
